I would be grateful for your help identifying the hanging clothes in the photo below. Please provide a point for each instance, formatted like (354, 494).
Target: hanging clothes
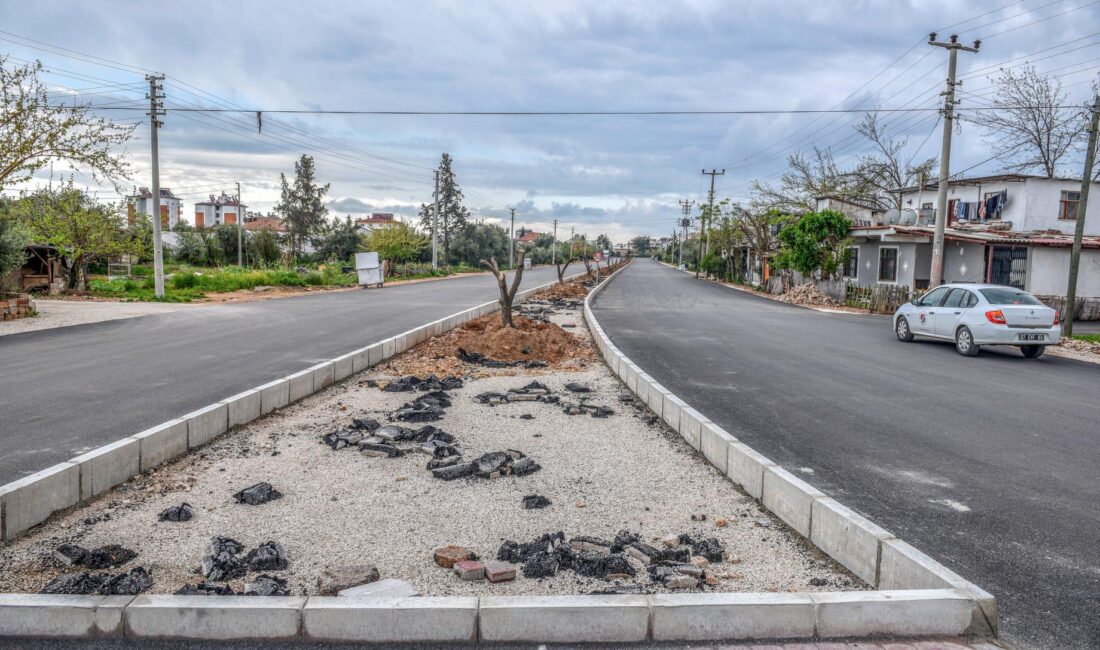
(960, 211)
(982, 210)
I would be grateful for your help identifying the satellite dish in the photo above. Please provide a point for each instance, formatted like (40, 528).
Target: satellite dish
(892, 216)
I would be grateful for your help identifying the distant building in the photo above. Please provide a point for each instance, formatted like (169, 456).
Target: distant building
(218, 210)
(255, 222)
(141, 202)
(376, 221)
(860, 214)
(528, 237)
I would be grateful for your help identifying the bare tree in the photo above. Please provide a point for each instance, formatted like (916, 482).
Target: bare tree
(506, 295)
(885, 169)
(35, 130)
(807, 178)
(1030, 129)
(562, 268)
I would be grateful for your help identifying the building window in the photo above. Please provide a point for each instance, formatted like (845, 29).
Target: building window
(888, 264)
(1067, 207)
(851, 266)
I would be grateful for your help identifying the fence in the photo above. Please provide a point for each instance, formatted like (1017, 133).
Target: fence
(879, 298)
(1084, 308)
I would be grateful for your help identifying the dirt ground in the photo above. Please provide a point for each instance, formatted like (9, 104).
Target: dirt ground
(340, 507)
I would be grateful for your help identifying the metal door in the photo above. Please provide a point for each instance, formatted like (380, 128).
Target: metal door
(1008, 266)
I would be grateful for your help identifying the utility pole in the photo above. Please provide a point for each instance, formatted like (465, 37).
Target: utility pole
(435, 224)
(952, 46)
(155, 111)
(554, 248)
(710, 203)
(1079, 229)
(240, 227)
(685, 207)
(512, 241)
(571, 229)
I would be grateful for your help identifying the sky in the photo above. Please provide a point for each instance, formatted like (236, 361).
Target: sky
(619, 175)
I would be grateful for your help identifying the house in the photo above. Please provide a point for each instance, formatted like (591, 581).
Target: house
(218, 210)
(41, 270)
(1011, 229)
(375, 221)
(253, 222)
(141, 202)
(860, 214)
(528, 237)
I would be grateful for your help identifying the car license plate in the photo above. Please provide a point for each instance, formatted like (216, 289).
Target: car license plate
(1033, 337)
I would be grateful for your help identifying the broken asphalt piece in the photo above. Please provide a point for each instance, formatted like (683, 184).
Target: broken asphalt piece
(623, 539)
(265, 585)
(379, 450)
(333, 580)
(482, 360)
(134, 582)
(575, 387)
(503, 463)
(182, 512)
(69, 554)
(527, 416)
(447, 556)
(711, 549)
(268, 556)
(365, 424)
(449, 461)
(452, 472)
(257, 494)
(586, 543)
(511, 551)
(205, 589)
(426, 408)
(224, 562)
(412, 382)
(541, 565)
(535, 502)
(592, 409)
(605, 567)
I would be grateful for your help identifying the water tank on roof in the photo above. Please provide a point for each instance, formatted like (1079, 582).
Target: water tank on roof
(892, 217)
(908, 217)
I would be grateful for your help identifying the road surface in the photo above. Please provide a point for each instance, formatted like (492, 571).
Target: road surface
(990, 464)
(65, 391)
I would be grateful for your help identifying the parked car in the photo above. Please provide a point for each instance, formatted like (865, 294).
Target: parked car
(973, 315)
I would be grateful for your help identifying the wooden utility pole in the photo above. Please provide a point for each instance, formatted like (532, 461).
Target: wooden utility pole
(1079, 229)
(953, 46)
(155, 111)
(554, 248)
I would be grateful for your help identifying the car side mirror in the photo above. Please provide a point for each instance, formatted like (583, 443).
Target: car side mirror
(915, 301)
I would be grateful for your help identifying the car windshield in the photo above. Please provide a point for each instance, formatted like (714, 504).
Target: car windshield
(1009, 297)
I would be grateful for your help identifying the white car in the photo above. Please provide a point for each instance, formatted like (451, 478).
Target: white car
(973, 315)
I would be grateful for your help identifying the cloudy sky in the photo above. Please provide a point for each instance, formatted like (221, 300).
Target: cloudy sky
(598, 174)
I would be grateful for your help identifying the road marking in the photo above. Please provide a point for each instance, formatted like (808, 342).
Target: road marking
(951, 503)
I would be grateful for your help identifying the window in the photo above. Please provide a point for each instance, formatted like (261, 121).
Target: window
(1009, 296)
(1067, 207)
(888, 264)
(971, 300)
(958, 298)
(934, 297)
(851, 267)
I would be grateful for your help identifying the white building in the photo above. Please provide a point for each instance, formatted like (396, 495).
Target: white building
(141, 202)
(218, 210)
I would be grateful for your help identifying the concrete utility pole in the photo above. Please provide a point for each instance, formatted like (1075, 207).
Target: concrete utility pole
(435, 224)
(571, 229)
(1079, 229)
(685, 207)
(155, 111)
(512, 241)
(953, 46)
(240, 227)
(554, 248)
(710, 203)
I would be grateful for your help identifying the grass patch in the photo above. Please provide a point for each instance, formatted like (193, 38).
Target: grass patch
(1090, 338)
(187, 285)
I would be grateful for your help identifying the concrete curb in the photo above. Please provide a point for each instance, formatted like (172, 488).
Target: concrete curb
(33, 499)
(864, 548)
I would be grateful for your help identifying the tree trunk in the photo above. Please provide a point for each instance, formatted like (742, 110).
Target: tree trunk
(561, 270)
(507, 295)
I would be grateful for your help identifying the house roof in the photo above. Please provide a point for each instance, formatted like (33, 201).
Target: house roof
(529, 237)
(996, 178)
(224, 199)
(849, 202)
(265, 223)
(146, 193)
(980, 235)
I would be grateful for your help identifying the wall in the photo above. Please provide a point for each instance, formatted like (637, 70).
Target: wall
(962, 261)
(1042, 205)
(1048, 272)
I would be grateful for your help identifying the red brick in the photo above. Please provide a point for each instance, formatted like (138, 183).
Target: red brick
(448, 555)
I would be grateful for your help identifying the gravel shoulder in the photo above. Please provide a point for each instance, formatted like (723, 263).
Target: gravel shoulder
(341, 508)
(63, 313)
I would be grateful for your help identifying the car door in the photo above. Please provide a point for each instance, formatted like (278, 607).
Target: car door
(949, 313)
(926, 306)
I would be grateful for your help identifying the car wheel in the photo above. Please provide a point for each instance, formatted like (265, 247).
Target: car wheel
(1033, 351)
(901, 328)
(964, 343)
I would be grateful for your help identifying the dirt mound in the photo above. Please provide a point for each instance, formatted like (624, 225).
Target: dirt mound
(807, 294)
(528, 341)
(567, 291)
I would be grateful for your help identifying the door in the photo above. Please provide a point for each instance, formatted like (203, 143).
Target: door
(949, 313)
(927, 306)
(1008, 266)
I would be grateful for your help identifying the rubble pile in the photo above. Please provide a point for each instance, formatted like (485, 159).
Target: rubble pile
(130, 583)
(391, 441)
(680, 563)
(480, 359)
(227, 560)
(539, 392)
(807, 294)
(489, 466)
(412, 382)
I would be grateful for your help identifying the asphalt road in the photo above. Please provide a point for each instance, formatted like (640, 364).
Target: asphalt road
(990, 464)
(65, 391)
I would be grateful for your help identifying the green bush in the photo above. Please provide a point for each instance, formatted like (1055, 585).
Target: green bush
(185, 281)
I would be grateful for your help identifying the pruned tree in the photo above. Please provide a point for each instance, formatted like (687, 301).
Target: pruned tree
(302, 205)
(35, 131)
(1031, 130)
(886, 170)
(507, 295)
(806, 178)
(562, 267)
